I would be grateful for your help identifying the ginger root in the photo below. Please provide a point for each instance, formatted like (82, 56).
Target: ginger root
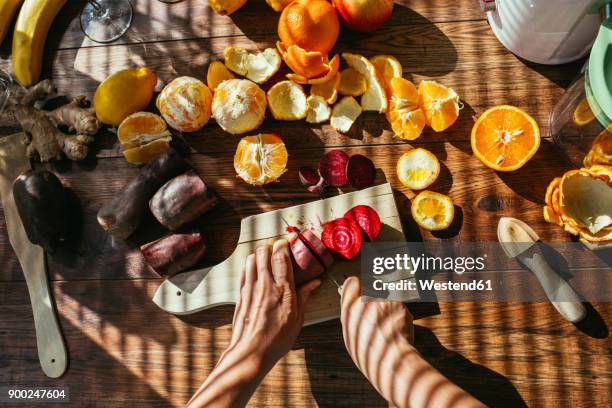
(47, 140)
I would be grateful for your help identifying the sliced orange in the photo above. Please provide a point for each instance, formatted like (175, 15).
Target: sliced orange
(327, 90)
(417, 169)
(432, 211)
(217, 73)
(144, 135)
(352, 83)
(388, 67)
(406, 118)
(260, 159)
(440, 104)
(583, 115)
(505, 137)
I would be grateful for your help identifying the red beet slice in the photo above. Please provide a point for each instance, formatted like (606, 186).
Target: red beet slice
(317, 248)
(306, 266)
(361, 171)
(367, 218)
(333, 167)
(342, 237)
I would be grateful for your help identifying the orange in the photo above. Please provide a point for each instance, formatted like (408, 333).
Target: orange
(440, 104)
(504, 138)
(261, 159)
(583, 115)
(310, 24)
(144, 135)
(406, 118)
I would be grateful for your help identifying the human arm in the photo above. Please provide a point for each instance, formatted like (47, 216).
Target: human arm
(378, 336)
(267, 320)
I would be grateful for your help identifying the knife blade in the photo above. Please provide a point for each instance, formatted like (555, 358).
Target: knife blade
(326, 272)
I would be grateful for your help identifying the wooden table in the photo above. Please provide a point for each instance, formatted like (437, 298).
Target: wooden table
(125, 351)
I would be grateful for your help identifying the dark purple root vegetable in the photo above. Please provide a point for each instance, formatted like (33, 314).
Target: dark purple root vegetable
(361, 171)
(367, 218)
(333, 168)
(174, 253)
(182, 200)
(121, 215)
(42, 202)
(305, 266)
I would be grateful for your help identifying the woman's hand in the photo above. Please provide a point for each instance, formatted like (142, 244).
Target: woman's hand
(378, 335)
(267, 320)
(270, 312)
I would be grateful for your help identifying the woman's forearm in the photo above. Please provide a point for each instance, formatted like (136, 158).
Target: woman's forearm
(416, 383)
(233, 380)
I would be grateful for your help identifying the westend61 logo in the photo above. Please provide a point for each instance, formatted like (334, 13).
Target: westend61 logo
(423, 263)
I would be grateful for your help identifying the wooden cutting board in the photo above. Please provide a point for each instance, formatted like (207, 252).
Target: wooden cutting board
(196, 290)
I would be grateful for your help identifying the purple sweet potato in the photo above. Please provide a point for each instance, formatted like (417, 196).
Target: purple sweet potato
(182, 200)
(174, 253)
(121, 215)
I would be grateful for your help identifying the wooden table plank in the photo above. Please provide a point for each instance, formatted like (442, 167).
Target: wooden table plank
(128, 350)
(480, 194)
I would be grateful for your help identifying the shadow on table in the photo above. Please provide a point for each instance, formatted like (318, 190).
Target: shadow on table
(484, 384)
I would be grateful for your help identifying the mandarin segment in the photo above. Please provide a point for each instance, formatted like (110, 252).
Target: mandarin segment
(440, 105)
(260, 159)
(144, 135)
(406, 118)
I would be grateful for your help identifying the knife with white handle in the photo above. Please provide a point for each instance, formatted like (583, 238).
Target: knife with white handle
(519, 240)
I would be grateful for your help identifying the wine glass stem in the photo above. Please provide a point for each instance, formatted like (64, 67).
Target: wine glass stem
(95, 5)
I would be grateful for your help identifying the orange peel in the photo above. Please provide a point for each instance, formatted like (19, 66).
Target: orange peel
(287, 101)
(258, 67)
(327, 90)
(344, 114)
(375, 96)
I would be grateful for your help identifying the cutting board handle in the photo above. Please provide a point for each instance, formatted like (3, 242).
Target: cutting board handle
(51, 347)
(203, 288)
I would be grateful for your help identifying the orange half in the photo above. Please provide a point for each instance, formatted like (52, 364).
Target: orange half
(505, 137)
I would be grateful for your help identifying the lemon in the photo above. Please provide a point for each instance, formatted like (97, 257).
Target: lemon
(123, 93)
(417, 169)
(432, 211)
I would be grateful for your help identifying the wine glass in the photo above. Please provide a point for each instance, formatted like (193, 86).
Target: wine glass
(6, 88)
(104, 21)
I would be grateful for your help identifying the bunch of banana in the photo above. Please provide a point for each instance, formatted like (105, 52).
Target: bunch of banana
(30, 35)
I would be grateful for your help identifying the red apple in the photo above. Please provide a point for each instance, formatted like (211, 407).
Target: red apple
(364, 15)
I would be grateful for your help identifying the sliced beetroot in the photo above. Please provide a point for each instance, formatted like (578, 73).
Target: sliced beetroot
(306, 266)
(361, 171)
(367, 218)
(333, 167)
(317, 248)
(342, 237)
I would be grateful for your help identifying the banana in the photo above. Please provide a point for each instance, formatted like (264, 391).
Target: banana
(8, 9)
(31, 31)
